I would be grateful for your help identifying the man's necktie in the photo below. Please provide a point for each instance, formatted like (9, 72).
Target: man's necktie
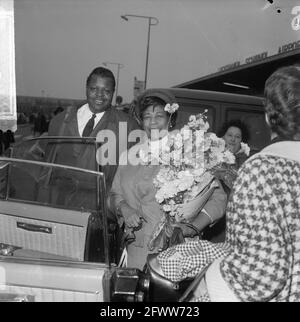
(89, 126)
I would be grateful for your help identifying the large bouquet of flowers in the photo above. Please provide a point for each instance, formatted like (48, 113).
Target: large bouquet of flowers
(188, 159)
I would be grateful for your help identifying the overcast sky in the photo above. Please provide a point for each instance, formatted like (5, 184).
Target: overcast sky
(58, 42)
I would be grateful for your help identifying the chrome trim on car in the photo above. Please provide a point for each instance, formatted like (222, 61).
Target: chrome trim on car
(10, 297)
(59, 263)
(51, 165)
(49, 288)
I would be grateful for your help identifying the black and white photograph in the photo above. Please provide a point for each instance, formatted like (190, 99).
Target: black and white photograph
(149, 153)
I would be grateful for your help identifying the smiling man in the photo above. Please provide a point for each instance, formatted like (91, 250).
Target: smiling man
(95, 115)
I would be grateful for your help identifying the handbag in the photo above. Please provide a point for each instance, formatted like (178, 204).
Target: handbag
(161, 288)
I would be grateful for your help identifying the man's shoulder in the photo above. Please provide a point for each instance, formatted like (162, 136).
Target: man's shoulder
(125, 117)
(57, 119)
(121, 115)
(60, 117)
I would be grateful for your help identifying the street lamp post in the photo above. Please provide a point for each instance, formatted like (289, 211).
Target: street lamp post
(152, 21)
(118, 73)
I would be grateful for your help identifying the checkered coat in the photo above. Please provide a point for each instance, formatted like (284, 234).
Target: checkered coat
(263, 227)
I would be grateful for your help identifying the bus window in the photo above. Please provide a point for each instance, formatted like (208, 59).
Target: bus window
(255, 121)
(187, 108)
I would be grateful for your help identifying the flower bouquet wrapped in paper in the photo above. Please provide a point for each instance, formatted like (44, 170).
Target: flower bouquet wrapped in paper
(186, 180)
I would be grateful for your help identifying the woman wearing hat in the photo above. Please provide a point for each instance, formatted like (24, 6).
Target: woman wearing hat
(132, 196)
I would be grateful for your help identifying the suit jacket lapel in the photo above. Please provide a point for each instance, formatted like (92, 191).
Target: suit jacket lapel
(107, 122)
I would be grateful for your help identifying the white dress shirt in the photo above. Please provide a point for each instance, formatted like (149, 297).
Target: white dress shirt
(83, 115)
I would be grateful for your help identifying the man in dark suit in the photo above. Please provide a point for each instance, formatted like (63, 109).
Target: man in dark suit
(94, 119)
(95, 115)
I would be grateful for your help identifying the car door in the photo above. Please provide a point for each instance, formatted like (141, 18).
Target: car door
(46, 231)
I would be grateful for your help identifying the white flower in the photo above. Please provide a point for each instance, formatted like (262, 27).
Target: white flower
(245, 148)
(228, 157)
(144, 156)
(159, 197)
(197, 122)
(204, 126)
(167, 208)
(207, 143)
(212, 136)
(185, 180)
(198, 172)
(165, 158)
(171, 108)
(187, 134)
(185, 185)
(178, 141)
(192, 118)
(192, 122)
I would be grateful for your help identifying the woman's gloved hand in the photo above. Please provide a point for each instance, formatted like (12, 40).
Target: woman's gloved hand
(132, 217)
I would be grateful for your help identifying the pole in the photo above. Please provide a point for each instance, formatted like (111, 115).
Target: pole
(147, 55)
(155, 22)
(117, 87)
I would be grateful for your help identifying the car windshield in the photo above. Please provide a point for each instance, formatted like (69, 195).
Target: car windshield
(48, 149)
(52, 211)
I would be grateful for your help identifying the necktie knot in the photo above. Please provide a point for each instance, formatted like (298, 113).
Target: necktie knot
(89, 126)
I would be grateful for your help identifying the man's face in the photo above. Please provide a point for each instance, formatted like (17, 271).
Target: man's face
(99, 93)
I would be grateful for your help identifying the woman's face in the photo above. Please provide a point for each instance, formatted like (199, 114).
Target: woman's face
(155, 119)
(233, 139)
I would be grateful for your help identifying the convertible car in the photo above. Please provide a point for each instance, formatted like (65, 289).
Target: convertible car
(57, 240)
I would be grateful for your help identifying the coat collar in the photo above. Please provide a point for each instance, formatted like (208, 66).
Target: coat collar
(284, 149)
(108, 118)
(107, 122)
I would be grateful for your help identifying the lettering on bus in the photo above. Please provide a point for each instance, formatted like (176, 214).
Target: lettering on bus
(229, 66)
(256, 58)
(289, 47)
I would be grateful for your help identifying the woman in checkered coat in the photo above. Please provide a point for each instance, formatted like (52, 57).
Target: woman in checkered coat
(261, 257)
(263, 230)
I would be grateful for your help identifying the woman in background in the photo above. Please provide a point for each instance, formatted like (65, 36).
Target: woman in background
(236, 135)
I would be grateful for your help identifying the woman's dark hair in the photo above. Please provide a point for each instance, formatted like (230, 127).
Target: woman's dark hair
(282, 104)
(154, 101)
(101, 72)
(239, 124)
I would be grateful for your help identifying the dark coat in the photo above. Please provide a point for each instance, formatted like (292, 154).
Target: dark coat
(65, 124)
